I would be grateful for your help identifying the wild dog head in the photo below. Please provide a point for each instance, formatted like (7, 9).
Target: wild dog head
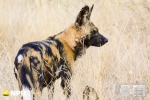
(91, 35)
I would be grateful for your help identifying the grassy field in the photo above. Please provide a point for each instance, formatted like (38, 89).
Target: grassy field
(125, 59)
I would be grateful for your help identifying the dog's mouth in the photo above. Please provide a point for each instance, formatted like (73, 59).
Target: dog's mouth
(99, 45)
(96, 41)
(99, 42)
(103, 43)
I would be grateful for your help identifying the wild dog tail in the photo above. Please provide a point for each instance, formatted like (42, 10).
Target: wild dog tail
(23, 73)
(89, 93)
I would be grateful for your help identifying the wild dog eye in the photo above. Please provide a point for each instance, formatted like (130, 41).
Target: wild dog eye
(93, 31)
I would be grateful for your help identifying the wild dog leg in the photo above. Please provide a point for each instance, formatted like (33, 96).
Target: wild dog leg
(50, 91)
(66, 87)
(65, 75)
(37, 95)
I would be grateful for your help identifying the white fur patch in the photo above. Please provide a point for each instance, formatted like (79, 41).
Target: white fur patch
(58, 70)
(74, 21)
(20, 58)
(26, 93)
(15, 70)
(29, 80)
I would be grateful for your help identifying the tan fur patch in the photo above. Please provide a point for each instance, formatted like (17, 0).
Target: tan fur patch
(46, 57)
(55, 51)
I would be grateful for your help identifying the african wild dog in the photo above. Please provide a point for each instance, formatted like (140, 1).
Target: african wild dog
(89, 93)
(38, 64)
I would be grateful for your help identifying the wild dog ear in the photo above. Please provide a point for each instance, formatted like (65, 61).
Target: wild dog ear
(82, 16)
(90, 12)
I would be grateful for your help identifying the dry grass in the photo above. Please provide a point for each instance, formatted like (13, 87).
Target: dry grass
(125, 59)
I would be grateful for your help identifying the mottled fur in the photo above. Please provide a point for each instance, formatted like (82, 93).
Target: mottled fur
(38, 64)
(89, 93)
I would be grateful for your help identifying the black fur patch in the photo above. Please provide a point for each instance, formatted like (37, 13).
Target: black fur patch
(34, 61)
(33, 45)
(59, 46)
(82, 16)
(24, 72)
(15, 73)
(48, 49)
(78, 49)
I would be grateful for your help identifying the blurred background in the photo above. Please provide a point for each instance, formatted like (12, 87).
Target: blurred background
(124, 60)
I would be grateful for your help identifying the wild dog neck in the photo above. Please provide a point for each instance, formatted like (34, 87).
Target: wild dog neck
(74, 39)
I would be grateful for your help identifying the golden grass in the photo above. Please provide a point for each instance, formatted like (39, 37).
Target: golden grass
(125, 59)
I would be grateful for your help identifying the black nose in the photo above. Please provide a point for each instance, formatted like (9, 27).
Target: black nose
(105, 40)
